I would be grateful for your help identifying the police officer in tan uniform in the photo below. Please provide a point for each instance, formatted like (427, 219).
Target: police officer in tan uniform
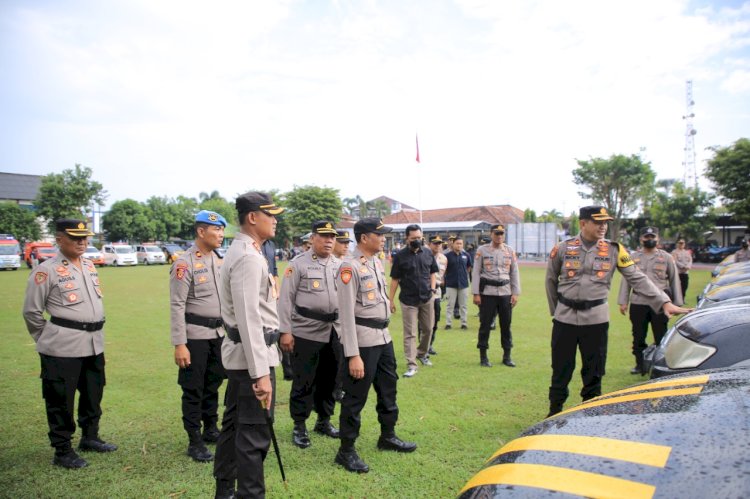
(496, 285)
(70, 343)
(365, 313)
(341, 246)
(579, 275)
(436, 246)
(248, 295)
(684, 261)
(197, 332)
(308, 322)
(659, 266)
(340, 250)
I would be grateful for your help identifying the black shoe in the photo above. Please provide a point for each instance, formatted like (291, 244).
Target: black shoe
(554, 408)
(492, 326)
(508, 362)
(224, 490)
(485, 362)
(326, 428)
(211, 434)
(351, 461)
(456, 316)
(199, 453)
(395, 443)
(464, 326)
(447, 327)
(300, 437)
(431, 351)
(95, 444)
(69, 459)
(637, 370)
(338, 394)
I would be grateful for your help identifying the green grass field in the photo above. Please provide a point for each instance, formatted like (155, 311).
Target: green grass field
(457, 412)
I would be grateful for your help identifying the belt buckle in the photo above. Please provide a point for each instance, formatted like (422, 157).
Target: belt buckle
(89, 327)
(387, 321)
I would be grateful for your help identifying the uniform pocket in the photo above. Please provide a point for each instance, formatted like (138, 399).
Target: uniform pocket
(315, 281)
(70, 293)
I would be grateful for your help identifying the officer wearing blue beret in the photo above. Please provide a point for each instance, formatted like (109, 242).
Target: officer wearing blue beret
(197, 332)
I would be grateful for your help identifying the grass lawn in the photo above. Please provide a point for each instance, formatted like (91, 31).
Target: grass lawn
(457, 412)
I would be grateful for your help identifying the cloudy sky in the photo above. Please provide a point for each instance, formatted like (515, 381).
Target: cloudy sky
(178, 97)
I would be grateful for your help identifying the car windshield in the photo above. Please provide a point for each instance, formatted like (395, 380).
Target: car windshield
(123, 250)
(47, 251)
(172, 248)
(9, 249)
(91, 249)
(152, 249)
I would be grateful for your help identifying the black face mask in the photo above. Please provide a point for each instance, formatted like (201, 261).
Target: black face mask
(415, 244)
(649, 243)
(744, 245)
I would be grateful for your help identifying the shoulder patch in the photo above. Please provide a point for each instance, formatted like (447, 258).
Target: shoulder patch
(40, 277)
(346, 275)
(179, 272)
(478, 254)
(554, 251)
(623, 257)
(289, 270)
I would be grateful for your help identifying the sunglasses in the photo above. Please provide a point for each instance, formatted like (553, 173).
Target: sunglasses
(498, 232)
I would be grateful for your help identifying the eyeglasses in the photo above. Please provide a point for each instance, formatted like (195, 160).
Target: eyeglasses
(498, 232)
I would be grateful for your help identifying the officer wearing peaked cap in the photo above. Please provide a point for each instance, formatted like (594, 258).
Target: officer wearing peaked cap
(197, 332)
(308, 322)
(364, 311)
(340, 250)
(579, 275)
(659, 266)
(70, 343)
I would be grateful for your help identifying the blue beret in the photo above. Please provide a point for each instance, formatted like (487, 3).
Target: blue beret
(210, 217)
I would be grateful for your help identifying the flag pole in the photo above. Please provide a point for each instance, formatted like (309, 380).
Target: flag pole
(419, 182)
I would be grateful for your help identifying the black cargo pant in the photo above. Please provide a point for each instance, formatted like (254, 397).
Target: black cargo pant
(315, 367)
(488, 309)
(61, 377)
(200, 383)
(380, 372)
(640, 317)
(245, 437)
(592, 342)
(684, 279)
(436, 302)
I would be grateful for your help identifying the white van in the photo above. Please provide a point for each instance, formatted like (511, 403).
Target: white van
(119, 254)
(150, 254)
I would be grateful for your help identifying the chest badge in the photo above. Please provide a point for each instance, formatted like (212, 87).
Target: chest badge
(371, 295)
(72, 297)
(316, 284)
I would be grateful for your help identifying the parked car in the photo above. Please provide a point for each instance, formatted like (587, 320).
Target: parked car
(725, 279)
(39, 251)
(172, 252)
(119, 254)
(94, 255)
(10, 252)
(741, 288)
(713, 337)
(149, 254)
(682, 436)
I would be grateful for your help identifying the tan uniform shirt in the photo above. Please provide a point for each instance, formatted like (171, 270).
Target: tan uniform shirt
(498, 264)
(742, 255)
(582, 273)
(683, 259)
(362, 293)
(194, 289)
(442, 263)
(661, 269)
(248, 302)
(67, 292)
(309, 283)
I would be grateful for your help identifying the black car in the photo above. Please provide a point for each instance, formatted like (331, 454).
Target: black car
(734, 290)
(678, 437)
(725, 279)
(713, 337)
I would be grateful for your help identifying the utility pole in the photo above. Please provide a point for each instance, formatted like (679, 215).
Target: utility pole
(690, 175)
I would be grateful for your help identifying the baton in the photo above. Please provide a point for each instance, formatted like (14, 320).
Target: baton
(269, 422)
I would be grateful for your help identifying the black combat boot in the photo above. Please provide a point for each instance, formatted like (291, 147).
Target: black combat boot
(197, 448)
(224, 489)
(210, 432)
(483, 360)
(348, 458)
(324, 427)
(90, 441)
(554, 408)
(506, 358)
(66, 457)
(300, 437)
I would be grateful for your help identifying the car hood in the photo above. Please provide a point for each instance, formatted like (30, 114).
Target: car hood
(680, 436)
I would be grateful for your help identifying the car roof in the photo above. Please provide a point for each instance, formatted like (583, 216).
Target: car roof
(732, 290)
(707, 321)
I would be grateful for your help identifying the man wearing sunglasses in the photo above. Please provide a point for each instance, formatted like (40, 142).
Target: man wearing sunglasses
(496, 285)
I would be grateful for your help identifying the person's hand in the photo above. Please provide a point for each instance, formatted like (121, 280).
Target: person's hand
(264, 390)
(393, 307)
(671, 309)
(181, 356)
(477, 299)
(623, 308)
(287, 342)
(356, 367)
(513, 300)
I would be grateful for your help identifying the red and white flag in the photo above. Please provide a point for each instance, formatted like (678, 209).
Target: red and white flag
(417, 148)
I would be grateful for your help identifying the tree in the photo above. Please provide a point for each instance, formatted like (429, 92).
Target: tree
(19, 222)
(219, 205)
(185, 210)
(729, 171)
(529, 215)
(682, 211)
(67, 195)
(309, 203)
(128, 220)
(379, 208)
(618, 183)
(551, 216)
(350, 204)
(164, 216)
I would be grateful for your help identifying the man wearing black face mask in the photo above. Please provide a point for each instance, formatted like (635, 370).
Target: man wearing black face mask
(661, 269)
(743, 254)
(415, 270)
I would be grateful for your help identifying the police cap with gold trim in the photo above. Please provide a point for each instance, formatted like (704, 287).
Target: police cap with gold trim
(73, 227)
(371, 226)
(210, 217)
(596, 213)
(257, 201)
(342, 236)
(323, 227)
(650, 231)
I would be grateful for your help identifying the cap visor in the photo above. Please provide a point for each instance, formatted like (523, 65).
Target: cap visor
(601, 218)
(79, 232)
(383, 230)
(327, 231)
(276, 210)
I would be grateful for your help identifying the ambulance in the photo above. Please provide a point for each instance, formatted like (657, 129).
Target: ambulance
(10, 252)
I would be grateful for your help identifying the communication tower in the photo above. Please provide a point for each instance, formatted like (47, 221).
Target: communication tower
(689, 176)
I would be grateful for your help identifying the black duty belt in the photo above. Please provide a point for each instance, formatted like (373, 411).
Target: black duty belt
(91, 327)
(373, 323)
(198, 320)
(271, 335)
(318, 316)
(581, 305)
(491, 282)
